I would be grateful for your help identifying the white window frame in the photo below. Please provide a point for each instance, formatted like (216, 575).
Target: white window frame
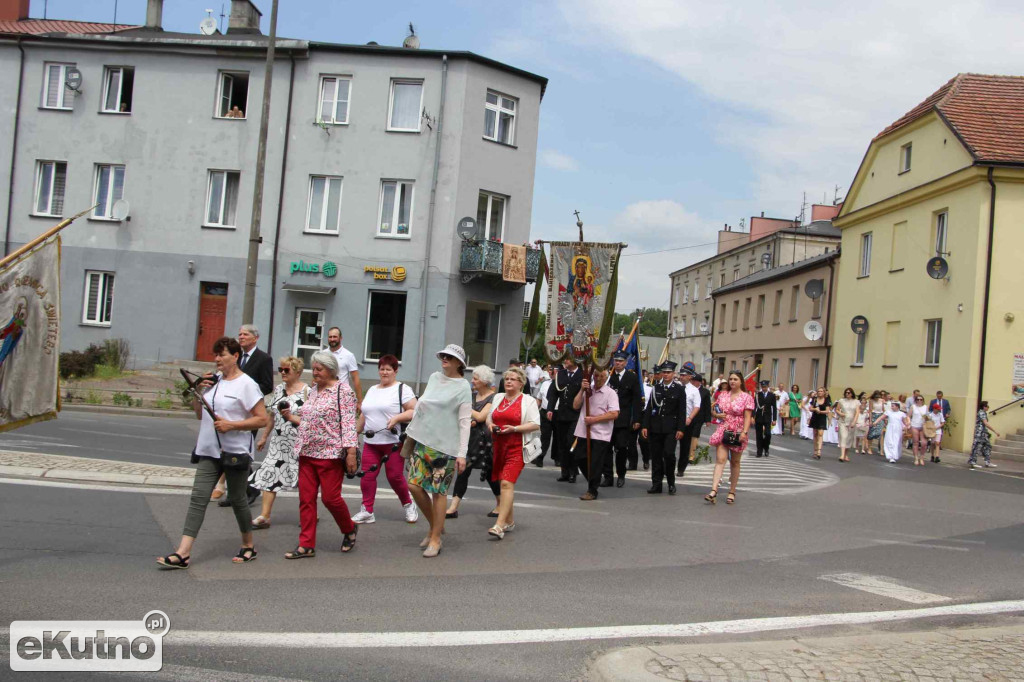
(296, 348)
(707, 292)
(65, 92)
(221, 77)
(334, 119)
(101, 316)
(323, 229)
(225, 174)
(932, 342)
(41, 169)
(906, 156)
(106, 205)
(866, 241)
(941, 233)
(391, 105)
(859, 344)
(395, 209)
(686, 293)
(107, 72)
(498, 110)
(491, 196)
(369, 309)
(693, 325)
(696, 290)
(792, 372)
(775, 372)
(815, 369)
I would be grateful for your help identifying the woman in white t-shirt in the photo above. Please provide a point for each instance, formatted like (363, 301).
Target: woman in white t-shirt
(918, 413)
(237, 402)
(384, 408)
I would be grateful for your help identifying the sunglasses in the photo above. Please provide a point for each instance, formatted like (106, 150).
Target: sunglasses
(284, 370)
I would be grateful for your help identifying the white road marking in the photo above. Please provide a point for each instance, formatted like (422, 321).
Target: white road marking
(919, 544)
(182, 672)
(883, 586)
(391, 640)
(116, 435)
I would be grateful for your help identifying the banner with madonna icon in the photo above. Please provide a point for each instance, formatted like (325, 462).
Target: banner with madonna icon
(582, 282)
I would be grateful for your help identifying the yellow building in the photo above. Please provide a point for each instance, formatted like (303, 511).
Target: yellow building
(947, 180)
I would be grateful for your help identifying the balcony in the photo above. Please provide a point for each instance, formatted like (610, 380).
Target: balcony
(482, 260)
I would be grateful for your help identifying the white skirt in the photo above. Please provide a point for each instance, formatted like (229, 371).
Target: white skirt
(777, 429)
(831, 434)
(805, 430)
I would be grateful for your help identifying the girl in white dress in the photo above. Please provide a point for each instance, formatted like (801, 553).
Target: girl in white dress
(782, 402)
(806, 431)
(895, 423)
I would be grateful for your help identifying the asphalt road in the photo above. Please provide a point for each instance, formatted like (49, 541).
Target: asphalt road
(87, 552)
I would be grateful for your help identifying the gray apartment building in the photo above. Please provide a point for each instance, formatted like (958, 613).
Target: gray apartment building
(375, 156)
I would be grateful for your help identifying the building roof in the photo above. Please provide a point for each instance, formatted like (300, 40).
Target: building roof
(986, 112)
(36, 27)
(777, 273)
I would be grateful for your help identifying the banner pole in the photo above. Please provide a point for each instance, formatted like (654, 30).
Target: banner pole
(43, 237)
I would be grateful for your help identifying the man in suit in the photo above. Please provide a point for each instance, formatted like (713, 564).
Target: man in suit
(942, 403)
(766, 413)
(626, 385)
(563, 416)
(691, 410)
(664, 425)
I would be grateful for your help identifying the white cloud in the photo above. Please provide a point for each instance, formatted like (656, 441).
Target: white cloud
(558, 161)
(807, 85)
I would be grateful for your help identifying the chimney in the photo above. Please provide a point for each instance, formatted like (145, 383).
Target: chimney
(13, 10)
(155, 14)
(823, 212)
(245, 18)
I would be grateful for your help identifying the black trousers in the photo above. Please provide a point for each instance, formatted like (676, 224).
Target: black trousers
(563, 444)
(663, 457)
(763, 432)
(546, 431)
(462, 484)
(645, 447)
(624, 447)
(600, 452)
(684, 448)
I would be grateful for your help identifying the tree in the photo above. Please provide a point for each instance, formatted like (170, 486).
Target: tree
(654, 323)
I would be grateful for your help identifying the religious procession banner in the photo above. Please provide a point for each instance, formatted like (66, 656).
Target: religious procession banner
(582, 281)
(30, 336)
(514, 263)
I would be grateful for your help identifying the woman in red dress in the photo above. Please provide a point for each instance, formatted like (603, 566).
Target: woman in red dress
(512, 416)
(734, 406)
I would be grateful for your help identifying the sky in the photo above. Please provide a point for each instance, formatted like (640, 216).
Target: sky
(664, 120)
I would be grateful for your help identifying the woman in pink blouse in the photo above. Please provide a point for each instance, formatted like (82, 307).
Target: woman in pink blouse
(735, 407)
(326, 450)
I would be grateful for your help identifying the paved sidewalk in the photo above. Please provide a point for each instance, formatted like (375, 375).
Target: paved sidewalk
(39, 465)
(944, 654)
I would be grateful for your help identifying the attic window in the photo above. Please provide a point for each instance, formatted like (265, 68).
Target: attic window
(905, 157)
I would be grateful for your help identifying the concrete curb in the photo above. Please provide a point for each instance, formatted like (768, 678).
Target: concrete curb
(133, 411)
(95, 477)
(644, 663)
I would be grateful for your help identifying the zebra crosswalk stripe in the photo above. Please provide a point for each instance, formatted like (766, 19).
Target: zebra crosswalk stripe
(772, 475)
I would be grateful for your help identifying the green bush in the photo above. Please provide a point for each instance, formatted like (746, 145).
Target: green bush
(181, 388)
(80, 363)
(122, 399)
(93, 398)
(702, 454)
(166, 400)
(116, 353)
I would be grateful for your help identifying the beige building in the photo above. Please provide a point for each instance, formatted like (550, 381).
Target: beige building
(761, 320)
(771, 243)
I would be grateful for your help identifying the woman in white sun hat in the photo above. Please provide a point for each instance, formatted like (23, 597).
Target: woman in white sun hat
(438, 438)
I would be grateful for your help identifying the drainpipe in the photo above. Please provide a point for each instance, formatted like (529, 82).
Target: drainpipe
(425, 277)
(14, 149)
(988, 283)
(280, 202)
(828, 317)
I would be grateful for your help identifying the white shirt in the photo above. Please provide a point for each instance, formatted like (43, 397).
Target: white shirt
(692, 399)
(715, 384)
(535, 374)
(346, 362)
(917, 415)
(232, 400)
(542, 392)
(647, 393)
(380, 405)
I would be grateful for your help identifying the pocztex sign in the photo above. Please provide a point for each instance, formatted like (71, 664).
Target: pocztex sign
(395, 274)
(327, 269)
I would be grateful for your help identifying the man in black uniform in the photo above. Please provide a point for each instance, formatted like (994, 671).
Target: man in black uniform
(664, 424)
(561, 413)
(631, 405)
(766, 413)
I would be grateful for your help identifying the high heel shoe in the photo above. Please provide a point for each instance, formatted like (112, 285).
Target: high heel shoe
(730, 498)
(711, 497)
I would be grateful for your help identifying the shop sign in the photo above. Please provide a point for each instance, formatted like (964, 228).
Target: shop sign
(1017, 388)
(327, 269)
(395, 273)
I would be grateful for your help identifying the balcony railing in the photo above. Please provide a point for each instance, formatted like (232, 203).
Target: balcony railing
(482, 260)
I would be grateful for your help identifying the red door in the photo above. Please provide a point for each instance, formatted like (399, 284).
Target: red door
(213, 307)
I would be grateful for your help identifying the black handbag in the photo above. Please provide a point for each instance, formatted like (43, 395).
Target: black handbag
(731, 439)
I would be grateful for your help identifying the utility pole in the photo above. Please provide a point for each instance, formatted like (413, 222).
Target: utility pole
(249, 300)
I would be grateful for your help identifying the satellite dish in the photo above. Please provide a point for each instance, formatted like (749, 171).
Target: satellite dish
(73, 79)
(938, 267)
(813, 330)
(859, 324)
(814, 288)
(766, 259)
(467, 228)
(119, 211)
(208, 26)
(703, 327)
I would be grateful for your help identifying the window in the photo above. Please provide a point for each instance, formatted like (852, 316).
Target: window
(309, 332)
(941, 232)
(775, 371)
(109, 189)
(480, 333)
(721, 280)
(750, 269)
(385, 324)
(746, 363)
(735, 274)
(696, 290)
(865, 254)
(686, 292)
(892, 338)
(675, 295)
(746, 313)
(51, 177)
(222, 198)
(395, 208)
(55, 94)
(707, 292)
(693, 325)
(732, 366)
(406, 103)
(905, 157)
(232, 95)
(99, 298)
(759, 319)
(859, 341)
(792, 371)
(816, 304)
(896, 253)
(777, 314)
(334, 96)
(735, 313)
(794, 302)
(526, 309)
(323, 210)
(500, 118)
(932, 341)
(490, 214)
(721, 319)
(118, 82)
(814, 372)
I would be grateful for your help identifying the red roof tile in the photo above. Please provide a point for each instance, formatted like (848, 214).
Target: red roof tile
(42, 26)
(987, 112)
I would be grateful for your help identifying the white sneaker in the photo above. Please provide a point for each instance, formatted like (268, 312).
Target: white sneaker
(412, 514)
(990, 465)
(363, 516)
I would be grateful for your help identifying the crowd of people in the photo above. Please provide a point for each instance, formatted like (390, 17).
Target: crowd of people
(599, 426)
